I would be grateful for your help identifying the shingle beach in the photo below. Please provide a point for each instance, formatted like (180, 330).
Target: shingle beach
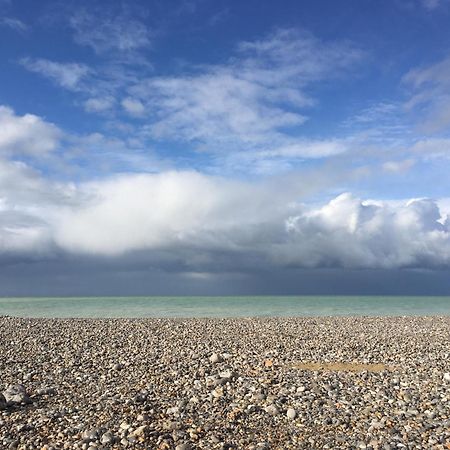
(275, 383)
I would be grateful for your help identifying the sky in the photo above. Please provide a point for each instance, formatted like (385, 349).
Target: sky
(200, 147)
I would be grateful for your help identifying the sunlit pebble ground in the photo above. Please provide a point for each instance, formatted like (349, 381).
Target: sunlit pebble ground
(221, 383)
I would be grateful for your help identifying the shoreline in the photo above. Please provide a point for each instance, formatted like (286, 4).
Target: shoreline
(217, 383)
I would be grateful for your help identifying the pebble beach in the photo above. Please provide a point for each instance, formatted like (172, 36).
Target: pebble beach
(257, 383)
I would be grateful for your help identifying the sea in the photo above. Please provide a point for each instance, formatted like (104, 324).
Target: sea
(256, 306)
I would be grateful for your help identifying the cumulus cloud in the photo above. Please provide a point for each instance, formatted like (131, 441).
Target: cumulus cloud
(186, 219)
(67, 75)
(27, 134)
(189, 210)
(348, 232)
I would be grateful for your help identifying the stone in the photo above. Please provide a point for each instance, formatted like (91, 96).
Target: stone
(183, 447)
(447, 376)
(90, 435)
(172, 410)
(227, 374)
(291, 413)
(16, 394)
(46, 391)
(2, 402)
(215, 358)
(125, 426)
(272, 410)
(107, 438)
(140, 431)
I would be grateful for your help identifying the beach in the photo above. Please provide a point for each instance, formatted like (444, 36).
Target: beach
(243, 383)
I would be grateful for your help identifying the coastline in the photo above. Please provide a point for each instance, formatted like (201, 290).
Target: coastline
(250, 383)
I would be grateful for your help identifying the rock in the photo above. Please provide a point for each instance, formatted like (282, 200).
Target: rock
(215, 358)
(183, 447)
(2, 402)
(446, 376)
(140, 431)
(16, 394)
(217, 393)
(291, 413)
(117, 366)
(90, 435)
(227, 374)
(172, 410)
(107, 438)
(237, 403)
(272, 410)
(46, 391)
(125, 426)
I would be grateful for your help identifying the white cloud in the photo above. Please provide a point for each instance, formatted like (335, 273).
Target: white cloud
(281, 157)
(14, 23)
(99, 104)
(28, 134)
(27, 207)
(432, 148)
(133, 106)
(248, 109)
(398, 166)
(252, 100)
(309, 149)
(350, 233)
(175, 211)
(431, 95)
(104, 33)
(181, 214)
(67, 75)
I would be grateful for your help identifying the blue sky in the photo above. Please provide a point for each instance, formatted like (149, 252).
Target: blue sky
(309, 135)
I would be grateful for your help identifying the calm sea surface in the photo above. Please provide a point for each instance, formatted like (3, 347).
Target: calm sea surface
(223, 306)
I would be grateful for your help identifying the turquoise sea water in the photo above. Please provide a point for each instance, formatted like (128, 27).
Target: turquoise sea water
(224, 306)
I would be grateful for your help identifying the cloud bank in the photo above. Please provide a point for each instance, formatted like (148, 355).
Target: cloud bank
(186, 218)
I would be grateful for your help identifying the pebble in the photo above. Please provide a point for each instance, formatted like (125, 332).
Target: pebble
(183, 447)
(107, 438)
(205, 383)
(2, 402)
(16, 394)
(291, 413)
(272, 410)
(140, 431)
(215, 358)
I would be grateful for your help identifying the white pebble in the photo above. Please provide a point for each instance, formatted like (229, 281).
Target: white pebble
(291, 413)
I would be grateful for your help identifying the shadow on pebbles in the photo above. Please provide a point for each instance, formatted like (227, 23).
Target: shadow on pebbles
(276, 383)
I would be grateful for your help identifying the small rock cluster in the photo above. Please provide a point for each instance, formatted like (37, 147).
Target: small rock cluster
(181, 384)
